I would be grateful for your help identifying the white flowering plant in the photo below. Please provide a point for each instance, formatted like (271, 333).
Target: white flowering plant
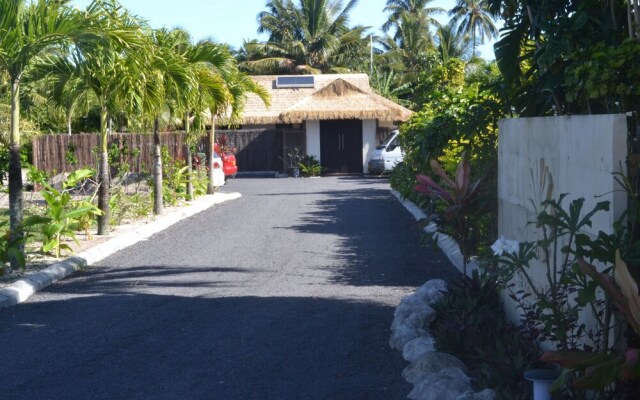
(551, 309)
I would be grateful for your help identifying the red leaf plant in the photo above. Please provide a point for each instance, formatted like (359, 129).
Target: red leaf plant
(460, 202)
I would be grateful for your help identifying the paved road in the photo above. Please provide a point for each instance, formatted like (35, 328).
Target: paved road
(286, 293)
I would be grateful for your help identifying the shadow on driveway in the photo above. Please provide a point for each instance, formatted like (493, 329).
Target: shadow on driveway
(131, 346)
(370, 222)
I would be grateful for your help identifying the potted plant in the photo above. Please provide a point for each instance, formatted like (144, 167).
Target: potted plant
(292, 161)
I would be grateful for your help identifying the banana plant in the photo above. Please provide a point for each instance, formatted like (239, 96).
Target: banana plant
(63, 213)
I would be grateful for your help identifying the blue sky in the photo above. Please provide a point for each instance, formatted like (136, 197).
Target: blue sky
(231, 21)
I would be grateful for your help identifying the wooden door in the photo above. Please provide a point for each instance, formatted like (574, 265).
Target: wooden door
(341, 146)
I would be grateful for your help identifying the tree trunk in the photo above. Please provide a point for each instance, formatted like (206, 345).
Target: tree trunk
(189, 158)
(103, 176)
(158, 207)
(69, 124)
(15, 172)
(211, 189)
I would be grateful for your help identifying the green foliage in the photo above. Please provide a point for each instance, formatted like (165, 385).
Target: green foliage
(598, 78)
(552, 313)
(460, 205)
(36, 177)
(70, 155)
(310, 166)
(453, 119)
(62, 213)
(11, 246)
(544, 44)
(470, 324)
(200, 181)
(126, 207)
(174, 179)
(305, 36)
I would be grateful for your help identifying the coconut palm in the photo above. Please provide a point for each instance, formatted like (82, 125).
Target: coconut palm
(307, 36)
(406, 52)
(27, 31)
(451, 43)
(420, 11)
(474, 18)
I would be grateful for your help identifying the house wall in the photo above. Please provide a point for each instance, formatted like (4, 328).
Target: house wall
(313, 138)
(369, 141)
(544, 157)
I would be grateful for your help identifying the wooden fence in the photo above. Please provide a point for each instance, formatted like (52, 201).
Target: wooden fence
(257, 149)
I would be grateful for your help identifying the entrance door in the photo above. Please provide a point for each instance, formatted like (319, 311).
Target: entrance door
(341, 146)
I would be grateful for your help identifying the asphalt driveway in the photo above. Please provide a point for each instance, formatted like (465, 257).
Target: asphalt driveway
(286, 293)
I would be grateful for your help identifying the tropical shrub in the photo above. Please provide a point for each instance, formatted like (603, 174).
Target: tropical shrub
(36, 177)
(470, 324)
(11, 246)
(174, 178)
(63, 214)
(554, 313)
(310, 166)
(460, 205)
(129, 206)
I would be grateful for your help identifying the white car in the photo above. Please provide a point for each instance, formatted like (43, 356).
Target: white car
(386, 156)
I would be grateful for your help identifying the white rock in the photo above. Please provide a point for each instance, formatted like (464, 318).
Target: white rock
(418, 347)
(432, 291)
(401, 336)
(430, 363)
(416, 318)
(447, 384)
(486, 394)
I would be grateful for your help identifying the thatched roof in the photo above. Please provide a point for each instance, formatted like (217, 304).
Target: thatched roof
(335, 96)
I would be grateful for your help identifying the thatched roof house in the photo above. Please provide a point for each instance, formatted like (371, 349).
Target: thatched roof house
(332, 97)
(338, 116)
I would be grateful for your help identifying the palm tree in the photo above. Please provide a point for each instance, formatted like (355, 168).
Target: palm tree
(474, 18)
(406, 52)
(452, 43)
(115, 70)
(420, 11)
(308, 36)
(238, 87)
(29, 30)
(169, 70)
(209, 64)
(65, 89)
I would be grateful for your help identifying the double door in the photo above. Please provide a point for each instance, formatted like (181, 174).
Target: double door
(341, 146)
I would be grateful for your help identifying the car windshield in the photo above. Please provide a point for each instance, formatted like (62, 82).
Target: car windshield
(389, 139)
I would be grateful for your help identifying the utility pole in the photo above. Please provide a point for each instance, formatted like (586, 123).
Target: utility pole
(371, 54)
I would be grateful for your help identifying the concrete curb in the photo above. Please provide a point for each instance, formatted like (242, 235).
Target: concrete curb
(448, 246)
(24, 288)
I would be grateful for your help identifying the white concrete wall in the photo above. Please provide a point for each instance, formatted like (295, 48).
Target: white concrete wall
(313, 138)
(547, 156)
(369, 127)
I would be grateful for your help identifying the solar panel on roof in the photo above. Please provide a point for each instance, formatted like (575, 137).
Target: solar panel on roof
(302, 81)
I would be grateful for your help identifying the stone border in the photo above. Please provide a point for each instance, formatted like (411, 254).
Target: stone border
(434, 375)
(24, 288)
(448, 246)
